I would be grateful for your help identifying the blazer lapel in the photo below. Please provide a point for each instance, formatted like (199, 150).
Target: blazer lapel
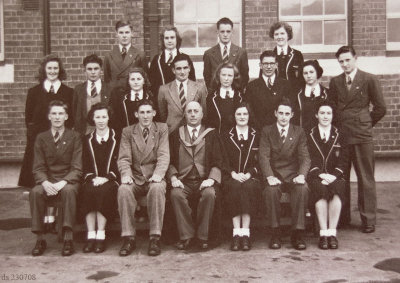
(288, 140)
(150, 141)
(116, 56)
(355, 86)
(217, 53)
(125, 98)
(138, 138)
(129, 58)
(233, 52)
(276, 137)
(64, 142)
(103, 92)
(191, 91)
(173, 91)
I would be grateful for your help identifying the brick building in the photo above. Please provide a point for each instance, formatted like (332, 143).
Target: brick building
(79, 27)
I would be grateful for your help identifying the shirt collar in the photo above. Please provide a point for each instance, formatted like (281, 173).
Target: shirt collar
(133, 92)
(245, 133)
(286, 128)
(222, 92)
(308, 89)
(190, 130)
(105, 137)
(96, 83)
(284, 48)
(174, 53)
(324, 131)
(222, 46)
(127, 47)
(178, 83)
(60, 132)
(271, 77)
(142, 128)
(352, 74)
(56, 85)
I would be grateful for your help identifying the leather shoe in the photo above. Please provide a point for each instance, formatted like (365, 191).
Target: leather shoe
(68, 248)
(39, 248)
(127, 247)
(246, 245)
(203, 244)
(89, 246)
(100, 246)
(333, 242)
(235, 245)
(275, 242)
(154, 247)
(368, 228)
(184, 244)
(298, 242)
(323, 243)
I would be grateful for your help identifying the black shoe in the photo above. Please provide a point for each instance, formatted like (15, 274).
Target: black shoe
(154, 247)
(323, 243)
(127, 247)
(100, 246)
(68, 248)
(235, 245)
(368, 228)
(184, 244)
(275, 242)
(298, 242)
(333, 242)
(89, 246)
(203, 244)
(39, 248)
(246, 244)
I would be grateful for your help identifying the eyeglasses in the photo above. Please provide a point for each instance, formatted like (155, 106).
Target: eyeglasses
(267, 64)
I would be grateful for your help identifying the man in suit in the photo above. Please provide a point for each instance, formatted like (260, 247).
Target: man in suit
(57, 169)
(88, 93)
(354, 91)
(225, 51)
(173, 97)
(264, 93)
(123, 56)
(196, 159)
(284, 162)
(143, 161)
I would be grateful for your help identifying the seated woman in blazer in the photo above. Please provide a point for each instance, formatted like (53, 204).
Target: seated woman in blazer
(329, 156)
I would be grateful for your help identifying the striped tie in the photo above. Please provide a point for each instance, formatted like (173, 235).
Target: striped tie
(123, 53)
(171, 57)
(145, 134)
(93, 91)
(348, 82)
(283, 136)
(56, 138)
(269, 82)
(137, 96)
(182, 95)
(194, 135)
(52, 89)
(225, 55)
(312, 94)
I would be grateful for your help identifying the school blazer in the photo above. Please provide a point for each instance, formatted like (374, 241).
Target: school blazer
(293, 66)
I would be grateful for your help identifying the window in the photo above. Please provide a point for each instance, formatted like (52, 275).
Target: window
(1, 31)
(393, 23)
(318, 25)
(196, 21)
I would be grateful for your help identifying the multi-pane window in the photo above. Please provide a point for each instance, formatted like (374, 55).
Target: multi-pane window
(318, 25)
(393, 23)
(196, 22)
(1, 31)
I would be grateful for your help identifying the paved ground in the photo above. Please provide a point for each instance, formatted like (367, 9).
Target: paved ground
(360, 258)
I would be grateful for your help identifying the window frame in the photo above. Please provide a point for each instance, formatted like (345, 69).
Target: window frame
(2, 51)
(391, 46)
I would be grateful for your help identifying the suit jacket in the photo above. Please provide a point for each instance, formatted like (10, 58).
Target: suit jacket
(58, 163)
(213, 153)
(284, 160)
(264, 100)
(213, 58)
(116, 69)
(292, 70)
(141, 160)
(79, 104)
(160, 73)
(354, 116)
(169, 103)
(331, 157)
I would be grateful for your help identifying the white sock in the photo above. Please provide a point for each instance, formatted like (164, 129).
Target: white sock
(332, 232)
(46, 219)
(101, 235)
(51, 218)
(91, 235)
(323, 233)
(246, 232)
(237, 232)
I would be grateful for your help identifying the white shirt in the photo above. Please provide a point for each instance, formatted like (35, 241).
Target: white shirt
(222, 92)
(286, 128)
(190, 130)
(245, 133)
(272, 78)
(56, 85)
(178, 84)
(104, 138)
(97, 85)
(308, 89)
(325, 132)
(133, 94)
(284, 48)
(174, 53)
(352, 75)
(60, 132)
(228, 48)
(127, 47)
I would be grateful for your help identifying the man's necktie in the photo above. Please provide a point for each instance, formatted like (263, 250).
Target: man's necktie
(283, 136)
(123, 53)
(51, 89)
(93, 91)
(56, 138)
(348, 82)
(182, 95)
(269, 83)
(194, 135)
(225, 55)
(145, 134)
(137, 96)
(325, 138)
(171, 57)
(241, 137)
(282, 53)
(312, 94)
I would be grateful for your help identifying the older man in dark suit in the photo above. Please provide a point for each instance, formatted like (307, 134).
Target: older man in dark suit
(122, 57)
(225, 51)
(57, 168)
(284, 162)
(354, 92)
(143, 161)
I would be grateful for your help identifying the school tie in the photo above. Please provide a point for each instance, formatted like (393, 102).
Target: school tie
(227, 94)
(182, 95)
(137, 96)
(145, 134)
(241, 137)
(225, 55)
(269, 83)
(282, 53)
(325, 138)
(171, 57)
(102, 141)
(93, 91)
(56, 138)
(51, 89)
(283, 135)
(123, 53)
(312, 94)
(348, 82)
(194, 135)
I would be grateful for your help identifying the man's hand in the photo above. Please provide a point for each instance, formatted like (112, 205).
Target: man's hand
(207, 183)
(60, 185)
(155, 178)
(176, 183)
(240, 177)
(127, 180)
(273, 181)
(299, 180)
(49, 188)
(98, 181)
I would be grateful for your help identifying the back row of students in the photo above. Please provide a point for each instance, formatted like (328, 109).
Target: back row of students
(352, 92)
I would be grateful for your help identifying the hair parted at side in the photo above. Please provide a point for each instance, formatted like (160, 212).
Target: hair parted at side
(216, 83)
(345, 49)
(284, 102)
(178, 37)
(224, 21)
(62, 75)
(57, 103)
(94, 108)
(92, 58)
(315, 64)
(123, 23)
(278, 25)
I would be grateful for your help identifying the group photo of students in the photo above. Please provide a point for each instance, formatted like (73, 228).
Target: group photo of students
(140, 138)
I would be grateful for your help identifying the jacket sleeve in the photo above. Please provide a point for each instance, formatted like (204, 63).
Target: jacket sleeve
(162, 103)
(125, 154)
(216, 158)
(244, 69)
(207, 70)
(303, 155)
(343, 158)
(163, 156)
(376, 97)
(39, 170)
(174, 154)
(75, 173)
(87, 160)
(264, 154)
(107, 69)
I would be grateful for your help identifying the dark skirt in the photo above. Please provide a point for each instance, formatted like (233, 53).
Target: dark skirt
(102, 199)
(320, 191)
(26, 178)
(242, 198)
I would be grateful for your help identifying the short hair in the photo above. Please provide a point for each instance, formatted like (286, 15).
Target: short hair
(345, 49)
(62, 75)
(267, 53)
(92, 58)
(94, 108)
(325, 102)
(315, 65)
(284, 102)
(178, 37)
(246, 105)
(181, 57)
(216, 83)
(57, 103)
(278, 25)
(123, 23)
(146, 86)
(145, 102)
(224, 21)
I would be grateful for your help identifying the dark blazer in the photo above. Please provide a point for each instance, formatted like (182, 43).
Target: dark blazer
(116, 70)
(90, 170)
(79, 104)
(292, 69)
(236, 155)
(354, 116)
(264, 100)
(213, 58)
(58, 163)
(283, 160)
(160, 73)
(331, 159)
(141, 160)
